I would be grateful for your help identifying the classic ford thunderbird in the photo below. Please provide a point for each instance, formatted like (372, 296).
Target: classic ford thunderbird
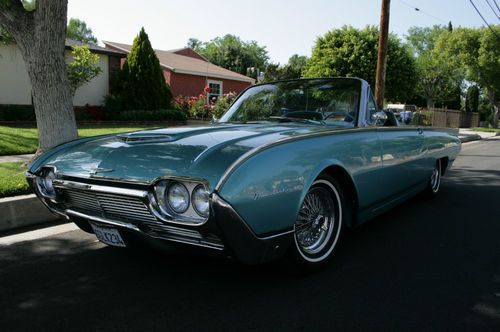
(288, 166)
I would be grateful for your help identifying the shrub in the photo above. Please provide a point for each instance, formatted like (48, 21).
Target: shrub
(222, 104)
(198, 107)
(159, 115)
(142, 83)
(17, 113)
(90, 113)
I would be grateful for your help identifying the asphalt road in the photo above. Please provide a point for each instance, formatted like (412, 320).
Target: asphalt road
(424, 266)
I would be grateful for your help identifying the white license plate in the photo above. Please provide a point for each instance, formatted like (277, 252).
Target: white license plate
(107, 235)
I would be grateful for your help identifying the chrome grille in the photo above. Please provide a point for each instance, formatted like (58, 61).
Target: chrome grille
(111, 206)
(161, 231)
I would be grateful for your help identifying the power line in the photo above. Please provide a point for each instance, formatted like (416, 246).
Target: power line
(477, 10)
(421, 11)
(496, 4)
(492, 9)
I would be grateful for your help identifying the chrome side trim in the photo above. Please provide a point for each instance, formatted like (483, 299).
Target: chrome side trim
(254, 151)
(99, 188)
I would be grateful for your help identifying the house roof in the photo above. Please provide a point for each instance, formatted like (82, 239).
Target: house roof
(94, 48)
(183, 64)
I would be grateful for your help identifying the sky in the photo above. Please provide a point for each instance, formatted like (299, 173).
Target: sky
(284, 27)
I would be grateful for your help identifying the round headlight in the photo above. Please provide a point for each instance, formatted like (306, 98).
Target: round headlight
(48, 182)
(200, 200)
(178, 197)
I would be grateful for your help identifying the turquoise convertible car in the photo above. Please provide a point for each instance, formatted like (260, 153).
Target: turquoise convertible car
(283, 172)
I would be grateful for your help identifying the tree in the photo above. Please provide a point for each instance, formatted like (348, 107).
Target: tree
(40, 36)
(78, 30)
(83, 68)
(231, 53)
(437, 79)
(422, 39)
(294, 68)
(352, 52)
(143, 85)
(472, 100)
(194, 44)
(476, 52)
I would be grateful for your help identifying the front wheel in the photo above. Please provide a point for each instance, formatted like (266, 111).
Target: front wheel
(319, 223)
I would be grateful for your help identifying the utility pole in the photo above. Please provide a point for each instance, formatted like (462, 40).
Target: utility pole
(382, 54)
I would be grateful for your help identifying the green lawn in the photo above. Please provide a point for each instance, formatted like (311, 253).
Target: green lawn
(22, 140)
(12, 180)
(487, 130)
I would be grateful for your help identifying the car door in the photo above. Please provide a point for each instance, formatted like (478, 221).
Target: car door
(401, 155)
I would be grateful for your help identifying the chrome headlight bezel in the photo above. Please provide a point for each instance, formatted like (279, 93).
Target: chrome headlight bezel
(200, 200)
(164, 210)
(44, 181)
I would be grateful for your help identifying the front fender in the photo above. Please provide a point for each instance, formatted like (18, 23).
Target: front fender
(267, 188)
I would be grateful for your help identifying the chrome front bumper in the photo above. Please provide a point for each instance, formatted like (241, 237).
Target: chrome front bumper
(225, 231)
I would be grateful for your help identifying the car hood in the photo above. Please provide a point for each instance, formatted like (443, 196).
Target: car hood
(197, 152)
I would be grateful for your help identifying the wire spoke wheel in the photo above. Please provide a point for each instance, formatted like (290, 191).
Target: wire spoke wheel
(314, 223)
(318, 222)
(436, 177)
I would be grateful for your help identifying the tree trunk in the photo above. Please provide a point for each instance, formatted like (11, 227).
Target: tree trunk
(430, 104)
(40, 37)
(496, 106)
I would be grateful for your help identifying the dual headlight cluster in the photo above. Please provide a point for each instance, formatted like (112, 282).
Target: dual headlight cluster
(183, 199)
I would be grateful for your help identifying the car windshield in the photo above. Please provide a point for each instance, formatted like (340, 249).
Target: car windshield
(317, 101)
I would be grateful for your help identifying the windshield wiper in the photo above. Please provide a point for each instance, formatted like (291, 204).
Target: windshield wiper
(300, 120)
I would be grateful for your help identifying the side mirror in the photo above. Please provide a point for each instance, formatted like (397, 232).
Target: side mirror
(379, 118)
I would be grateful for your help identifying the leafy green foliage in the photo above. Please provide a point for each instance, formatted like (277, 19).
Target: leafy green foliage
(472, 99)
(83, 68)
(353, 53)
(222, 104)
(142, 85)
(439, 82)
(293, 69)
(12, 180)
(422, 39)
(78, 30)
(476, 53)
(232, 53)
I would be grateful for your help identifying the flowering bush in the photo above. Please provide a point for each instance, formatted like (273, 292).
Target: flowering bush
(222, 104)
(197, 106)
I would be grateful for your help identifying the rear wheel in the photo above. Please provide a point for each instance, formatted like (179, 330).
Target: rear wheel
(319, 223)
(435, 180)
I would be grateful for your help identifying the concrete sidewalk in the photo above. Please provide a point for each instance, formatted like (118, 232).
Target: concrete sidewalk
(16, 158)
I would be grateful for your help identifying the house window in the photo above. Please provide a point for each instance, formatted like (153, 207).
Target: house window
(214, 89)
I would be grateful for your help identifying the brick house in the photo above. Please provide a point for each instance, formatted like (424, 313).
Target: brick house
(188, 73)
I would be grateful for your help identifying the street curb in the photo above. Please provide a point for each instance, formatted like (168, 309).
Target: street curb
(22, 211)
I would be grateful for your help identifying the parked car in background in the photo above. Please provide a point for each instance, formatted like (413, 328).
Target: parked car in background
(403, 112)
(283, 172)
